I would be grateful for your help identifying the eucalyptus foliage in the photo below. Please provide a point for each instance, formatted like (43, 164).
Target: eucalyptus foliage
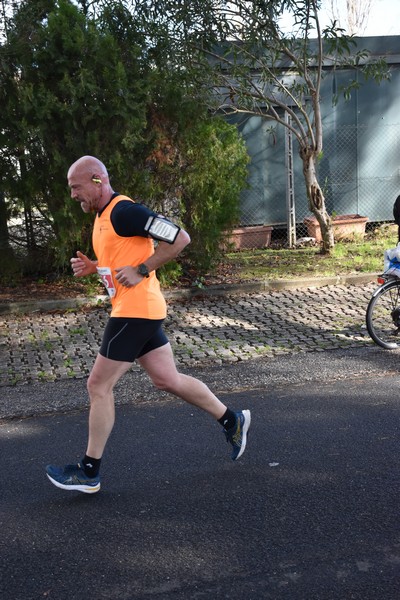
(238, 54)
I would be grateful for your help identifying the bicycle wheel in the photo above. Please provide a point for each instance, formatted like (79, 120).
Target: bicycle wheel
(383, 315)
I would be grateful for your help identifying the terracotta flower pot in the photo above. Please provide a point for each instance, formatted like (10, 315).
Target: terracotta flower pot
(344, 227)
(257, 236)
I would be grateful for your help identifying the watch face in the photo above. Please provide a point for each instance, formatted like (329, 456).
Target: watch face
(143, 270)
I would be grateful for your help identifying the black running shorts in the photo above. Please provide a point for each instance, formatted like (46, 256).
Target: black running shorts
(127, 339)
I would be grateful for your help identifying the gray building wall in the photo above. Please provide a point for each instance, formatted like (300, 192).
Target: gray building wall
(360, 168)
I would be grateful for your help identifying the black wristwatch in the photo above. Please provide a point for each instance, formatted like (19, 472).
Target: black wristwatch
(143, 270)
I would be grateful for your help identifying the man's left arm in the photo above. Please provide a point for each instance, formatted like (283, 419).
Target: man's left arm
(164, 252)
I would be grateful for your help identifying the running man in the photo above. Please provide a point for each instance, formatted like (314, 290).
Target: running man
(127, 259)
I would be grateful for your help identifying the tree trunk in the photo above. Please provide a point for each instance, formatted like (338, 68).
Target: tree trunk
(8, 263)
(4, 239)
(316, 199)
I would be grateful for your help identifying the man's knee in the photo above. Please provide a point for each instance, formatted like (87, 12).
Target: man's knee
(166, 382)
(97, 387)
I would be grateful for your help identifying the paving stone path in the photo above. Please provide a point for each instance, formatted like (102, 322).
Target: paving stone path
(46, 346)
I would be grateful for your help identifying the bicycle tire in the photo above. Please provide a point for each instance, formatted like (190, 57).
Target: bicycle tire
(383, 315)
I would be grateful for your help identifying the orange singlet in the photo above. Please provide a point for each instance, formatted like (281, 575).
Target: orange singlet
(144, 300)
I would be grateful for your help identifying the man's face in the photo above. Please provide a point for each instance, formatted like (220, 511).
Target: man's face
(85, 191)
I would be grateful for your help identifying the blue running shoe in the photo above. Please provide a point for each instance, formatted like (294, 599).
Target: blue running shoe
(237, 435)
(73, 477)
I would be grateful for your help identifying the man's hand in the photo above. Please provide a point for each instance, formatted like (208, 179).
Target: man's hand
(128, 276)
(82, 265)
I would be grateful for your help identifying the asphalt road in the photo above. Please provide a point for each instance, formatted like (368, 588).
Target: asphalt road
(310, 512)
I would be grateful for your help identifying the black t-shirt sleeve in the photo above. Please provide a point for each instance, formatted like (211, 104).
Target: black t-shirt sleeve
(129, 218)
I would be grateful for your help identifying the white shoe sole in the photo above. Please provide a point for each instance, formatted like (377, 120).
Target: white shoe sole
(86, 489)
(246, 425)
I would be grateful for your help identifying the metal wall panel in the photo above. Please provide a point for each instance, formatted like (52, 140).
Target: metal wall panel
(360, 168)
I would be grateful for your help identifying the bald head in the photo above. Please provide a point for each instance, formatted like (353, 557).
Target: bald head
(89, 166)
(89, 183)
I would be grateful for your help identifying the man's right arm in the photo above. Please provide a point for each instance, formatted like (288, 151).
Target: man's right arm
(82, 265)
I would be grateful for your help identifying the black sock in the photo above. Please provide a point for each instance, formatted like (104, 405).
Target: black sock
(91, 466)
(228, 420)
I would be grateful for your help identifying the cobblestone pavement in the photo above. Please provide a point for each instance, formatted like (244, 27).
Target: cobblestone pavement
(48, 346)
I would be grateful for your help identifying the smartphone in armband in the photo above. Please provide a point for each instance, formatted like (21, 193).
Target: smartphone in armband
(161, 229)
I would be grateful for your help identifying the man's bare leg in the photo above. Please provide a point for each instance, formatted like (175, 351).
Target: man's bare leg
(159, 364)
(102, 379)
